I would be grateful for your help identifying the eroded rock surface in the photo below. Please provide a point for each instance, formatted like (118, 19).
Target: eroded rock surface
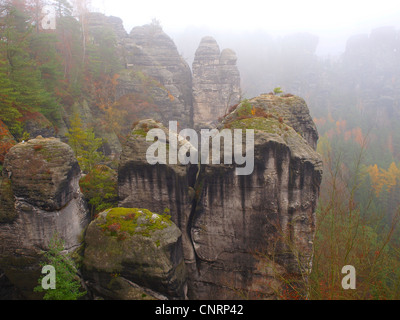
(40, 198)
(157, 74)
(251, 231)
(134, 254)
(158, 187)
(216, 82)
(241, 234)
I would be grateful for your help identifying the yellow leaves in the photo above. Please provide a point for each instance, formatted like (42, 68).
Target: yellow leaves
(381, 178)
(324, 146)
(114, 80)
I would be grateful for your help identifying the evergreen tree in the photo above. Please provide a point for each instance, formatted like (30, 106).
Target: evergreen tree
(85, 144)
(68, 286)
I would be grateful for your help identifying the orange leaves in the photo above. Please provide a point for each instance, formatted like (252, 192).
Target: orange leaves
(381, 178)
(358, 136)
(6, 141)
(171, 97)
(341, 126)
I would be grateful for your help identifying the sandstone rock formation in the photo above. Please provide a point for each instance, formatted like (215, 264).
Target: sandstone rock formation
(156, 70)
(157, 187)
(40, 198)
(241, 234)
(37, 124)
(216, 81)
(291, 110)
(249, 231)
(134, 254)
(157, 82)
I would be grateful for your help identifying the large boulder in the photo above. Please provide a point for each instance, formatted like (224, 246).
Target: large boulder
(40, 198)
(134, 254)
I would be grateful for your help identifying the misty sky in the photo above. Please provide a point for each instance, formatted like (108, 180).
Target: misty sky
(331, 20)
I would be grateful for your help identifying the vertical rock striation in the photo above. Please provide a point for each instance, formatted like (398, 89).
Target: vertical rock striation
(216, 81)
(241, 234)
(40, 198)
(157, 187)
(250, 232)
(157, 71)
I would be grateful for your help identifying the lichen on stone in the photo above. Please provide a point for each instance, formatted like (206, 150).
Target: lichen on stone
(121, 222)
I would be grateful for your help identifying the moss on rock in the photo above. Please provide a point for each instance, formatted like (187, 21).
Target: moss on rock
(121, 222)
(140, 246)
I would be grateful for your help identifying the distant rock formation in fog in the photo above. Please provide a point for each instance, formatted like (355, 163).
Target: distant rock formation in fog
(155, 70)
(216, 81)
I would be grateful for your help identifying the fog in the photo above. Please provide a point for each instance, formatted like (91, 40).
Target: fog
(332, 21)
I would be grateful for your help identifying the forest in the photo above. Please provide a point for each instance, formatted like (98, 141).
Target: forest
(47, 75)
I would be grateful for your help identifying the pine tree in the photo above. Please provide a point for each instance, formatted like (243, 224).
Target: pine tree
(68, 286)
(85, 144)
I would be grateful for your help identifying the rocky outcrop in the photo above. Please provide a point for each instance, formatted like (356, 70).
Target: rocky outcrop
(36, 124)
(134, 254)
(216, 81)
(241, 234)
(249, 232)
(157, 187)
(40, 198)
(157, 74)
(157, 82)
(291, 110)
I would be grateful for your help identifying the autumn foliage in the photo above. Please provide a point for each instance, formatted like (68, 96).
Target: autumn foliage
(6, 141)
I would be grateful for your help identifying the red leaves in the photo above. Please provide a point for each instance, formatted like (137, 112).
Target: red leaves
(6, 141)
(114, 228)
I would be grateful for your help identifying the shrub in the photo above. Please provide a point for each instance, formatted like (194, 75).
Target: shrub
(100, 189)
(68, 286)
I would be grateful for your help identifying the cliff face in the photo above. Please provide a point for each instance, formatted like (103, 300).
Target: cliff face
(40, 197)
(157, 187)
(216, 81)
(240, 233)
(227, 237)
(156, 70)
(249, 231)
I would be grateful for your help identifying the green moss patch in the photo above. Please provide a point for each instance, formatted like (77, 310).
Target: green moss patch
(124, 222)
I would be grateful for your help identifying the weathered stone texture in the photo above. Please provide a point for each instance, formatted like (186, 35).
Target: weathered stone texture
(216, 82)
(152, 57)
(41, 187)
(145, 264)
(240, 234)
